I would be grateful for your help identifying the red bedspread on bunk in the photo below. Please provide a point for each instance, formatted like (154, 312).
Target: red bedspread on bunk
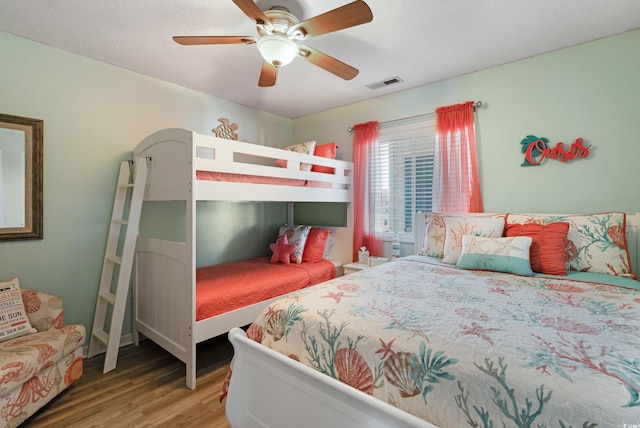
(228, 286)
(257, 179)
(245, 178)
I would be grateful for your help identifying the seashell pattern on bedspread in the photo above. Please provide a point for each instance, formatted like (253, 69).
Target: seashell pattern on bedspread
(470, 348)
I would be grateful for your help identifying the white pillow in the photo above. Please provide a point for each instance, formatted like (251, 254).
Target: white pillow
(456, 228)
(435, 231)
(307, 148)
(13, 316)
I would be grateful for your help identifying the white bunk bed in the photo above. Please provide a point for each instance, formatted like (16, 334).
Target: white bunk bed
(164, 275)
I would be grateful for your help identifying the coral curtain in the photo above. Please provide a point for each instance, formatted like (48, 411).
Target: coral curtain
(456, 186)
(365, 136)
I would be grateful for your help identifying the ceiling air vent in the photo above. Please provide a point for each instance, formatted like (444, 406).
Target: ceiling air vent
(385, 82)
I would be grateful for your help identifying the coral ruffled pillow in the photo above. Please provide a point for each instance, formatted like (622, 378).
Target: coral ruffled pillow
(548, 245)
(326, 151)
(316, 244)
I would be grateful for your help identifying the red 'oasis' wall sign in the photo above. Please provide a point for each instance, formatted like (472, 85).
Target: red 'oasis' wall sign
(537, 149)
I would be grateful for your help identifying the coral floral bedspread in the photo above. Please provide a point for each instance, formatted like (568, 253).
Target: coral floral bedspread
(228, 286)
(470, 348)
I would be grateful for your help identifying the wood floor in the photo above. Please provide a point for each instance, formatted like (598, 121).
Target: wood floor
(147, 389)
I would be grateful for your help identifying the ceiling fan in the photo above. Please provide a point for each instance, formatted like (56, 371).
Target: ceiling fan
(278, 34)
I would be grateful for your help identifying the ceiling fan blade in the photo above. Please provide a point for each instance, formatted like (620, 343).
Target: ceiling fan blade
(346, 16)
(268, 75)
(252, 11)
(214, 40)
(328, 63)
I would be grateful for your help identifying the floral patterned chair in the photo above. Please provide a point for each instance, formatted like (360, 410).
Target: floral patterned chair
(36, 367)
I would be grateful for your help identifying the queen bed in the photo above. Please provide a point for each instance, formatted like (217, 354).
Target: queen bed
(484, 341)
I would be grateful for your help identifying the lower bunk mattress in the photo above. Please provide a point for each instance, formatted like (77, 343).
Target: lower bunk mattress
(228, 286)
(458, 347)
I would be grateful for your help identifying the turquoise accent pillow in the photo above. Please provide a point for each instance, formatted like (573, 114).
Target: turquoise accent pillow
(509, 255)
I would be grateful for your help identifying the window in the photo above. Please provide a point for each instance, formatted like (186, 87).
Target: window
(402, 167)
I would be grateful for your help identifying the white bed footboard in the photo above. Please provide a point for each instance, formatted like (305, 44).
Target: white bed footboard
(270, 390)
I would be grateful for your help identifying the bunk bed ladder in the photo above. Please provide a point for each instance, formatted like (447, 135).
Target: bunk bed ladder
(119, 253)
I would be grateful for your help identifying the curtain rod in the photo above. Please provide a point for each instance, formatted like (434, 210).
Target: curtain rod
(476, 105)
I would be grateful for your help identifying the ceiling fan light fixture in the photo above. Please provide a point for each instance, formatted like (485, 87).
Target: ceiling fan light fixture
(277, 50)
(279, 32)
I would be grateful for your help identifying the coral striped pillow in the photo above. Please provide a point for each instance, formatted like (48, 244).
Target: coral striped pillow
(548, 246)
(316, 244)
(326, 151)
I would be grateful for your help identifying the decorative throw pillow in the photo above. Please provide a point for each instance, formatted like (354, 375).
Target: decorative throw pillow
(282, 251)
(306, 148)
(457, 227)
(297, 235)
(328, 246)
(548, 245)
(326, 151)
(433, 245)
(435, 231)
(13, 317)
(315, 245)
(509, 255)
(595, 242)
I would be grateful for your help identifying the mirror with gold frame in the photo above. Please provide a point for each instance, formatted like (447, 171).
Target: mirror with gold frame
(21, 141)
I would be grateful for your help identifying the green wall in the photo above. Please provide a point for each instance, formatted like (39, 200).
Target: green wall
(590, 91)
(226, 231)
(94, 114)
(251, 223)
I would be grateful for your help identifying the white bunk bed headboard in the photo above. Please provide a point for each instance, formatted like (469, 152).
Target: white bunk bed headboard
(632, 227)
(175, 155)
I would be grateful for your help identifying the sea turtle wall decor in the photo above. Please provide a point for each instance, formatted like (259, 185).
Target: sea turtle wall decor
(226, 129)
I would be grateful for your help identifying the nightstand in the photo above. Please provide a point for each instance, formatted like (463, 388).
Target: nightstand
(354, 267)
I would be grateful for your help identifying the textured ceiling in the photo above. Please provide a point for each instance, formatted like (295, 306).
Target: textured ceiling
(421, 41)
